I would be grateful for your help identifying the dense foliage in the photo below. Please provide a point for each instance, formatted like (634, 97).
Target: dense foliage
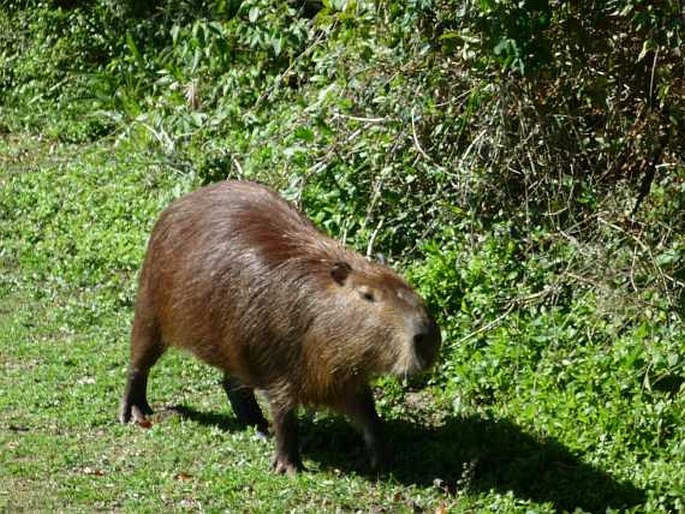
(522, 162)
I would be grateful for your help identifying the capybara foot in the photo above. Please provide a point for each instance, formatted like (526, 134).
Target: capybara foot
(284, 466)
(134, 411)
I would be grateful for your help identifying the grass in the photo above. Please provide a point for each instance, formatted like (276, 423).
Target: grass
(63, 450)
(75, 221)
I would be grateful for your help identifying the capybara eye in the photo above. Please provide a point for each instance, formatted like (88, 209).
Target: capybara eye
(368, 296)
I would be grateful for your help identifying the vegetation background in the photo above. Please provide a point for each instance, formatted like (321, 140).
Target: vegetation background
(522, 162)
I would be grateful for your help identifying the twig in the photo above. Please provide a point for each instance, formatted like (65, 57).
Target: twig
(360, 118)
(651, 80)
(237, 166)
(372, 240)
(416, 139)
(471, 145)
(323, 161)
(488, 326)
(517, 302)
(660, 273)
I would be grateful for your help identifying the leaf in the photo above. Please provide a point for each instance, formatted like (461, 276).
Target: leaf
(672, 359)
(626, 10)
(134, 50)
(174, 34)
(253, 14)
(487, 5)
(304, 134)
(277, 44)
(668, 257)
(647, 46)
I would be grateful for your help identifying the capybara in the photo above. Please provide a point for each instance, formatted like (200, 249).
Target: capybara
(245, 282)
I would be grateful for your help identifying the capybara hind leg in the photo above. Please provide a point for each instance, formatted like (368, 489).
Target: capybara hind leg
(146, 349)
(287, 459)
(245, 405)
(360, 408)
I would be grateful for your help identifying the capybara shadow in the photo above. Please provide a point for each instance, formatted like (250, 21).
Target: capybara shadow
(465, 453)
(482, 454)
(210, 419)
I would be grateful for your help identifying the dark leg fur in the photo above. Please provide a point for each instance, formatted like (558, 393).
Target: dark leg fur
(245, 405)
(361, 409)
(146, 349)
(287, 458)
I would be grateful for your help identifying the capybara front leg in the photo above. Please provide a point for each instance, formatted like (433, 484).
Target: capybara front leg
(245, 405)
(146, 349)
(362, 411)
(287, 458)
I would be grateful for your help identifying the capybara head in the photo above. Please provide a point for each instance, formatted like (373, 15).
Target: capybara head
(385, 320)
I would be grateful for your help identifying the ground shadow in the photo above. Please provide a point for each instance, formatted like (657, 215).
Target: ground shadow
(465, 453)
(221, 421)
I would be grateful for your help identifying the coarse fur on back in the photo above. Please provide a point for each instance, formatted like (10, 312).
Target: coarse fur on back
(240, 278)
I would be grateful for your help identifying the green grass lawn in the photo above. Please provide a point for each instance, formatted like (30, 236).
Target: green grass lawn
(64, 450)
(584, 434)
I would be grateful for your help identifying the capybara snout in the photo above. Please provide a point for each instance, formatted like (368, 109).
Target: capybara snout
(426, 343)
(237, 276)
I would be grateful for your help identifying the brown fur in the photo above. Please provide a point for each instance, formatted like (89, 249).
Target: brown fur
(240, 278)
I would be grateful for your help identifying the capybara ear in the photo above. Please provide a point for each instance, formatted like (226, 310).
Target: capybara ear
(340, 271)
